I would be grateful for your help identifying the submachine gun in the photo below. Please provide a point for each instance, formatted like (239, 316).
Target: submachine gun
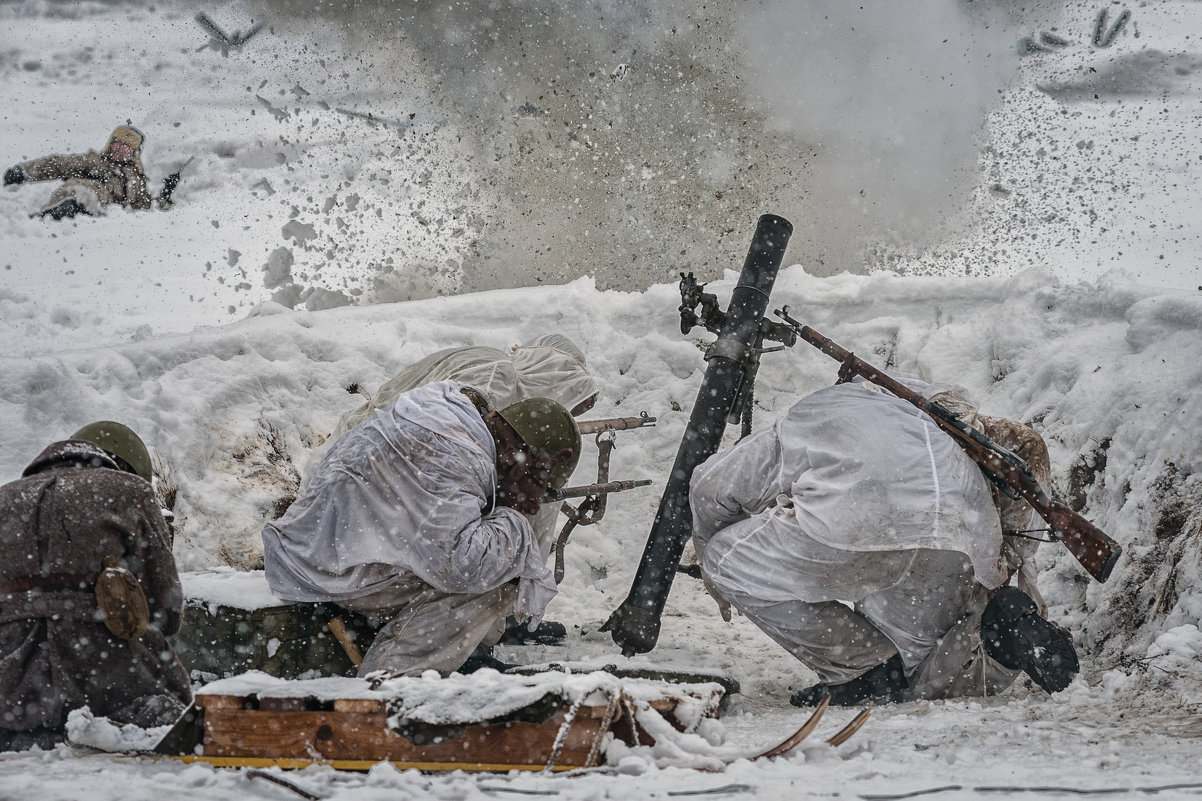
(1096, 551)
(724, 397)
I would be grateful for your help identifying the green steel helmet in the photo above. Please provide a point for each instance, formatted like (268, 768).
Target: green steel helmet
(120, 441)
(546, 426)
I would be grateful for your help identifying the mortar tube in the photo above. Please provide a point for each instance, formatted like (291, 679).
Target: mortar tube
(635, 624)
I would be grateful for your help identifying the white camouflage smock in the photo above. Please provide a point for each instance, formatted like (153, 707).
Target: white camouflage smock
(856, 496)
(407, 494)
(550, 366)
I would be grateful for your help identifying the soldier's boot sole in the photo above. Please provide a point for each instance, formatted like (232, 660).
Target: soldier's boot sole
(1016, 636)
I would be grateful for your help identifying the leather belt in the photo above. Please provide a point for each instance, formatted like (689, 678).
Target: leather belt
(70, 605)
(51, 582)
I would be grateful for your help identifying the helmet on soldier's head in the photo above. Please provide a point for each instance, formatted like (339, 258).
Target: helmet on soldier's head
(118, 441)
(546, 426)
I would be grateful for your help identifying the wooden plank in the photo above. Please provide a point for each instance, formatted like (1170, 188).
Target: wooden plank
(376, 705)
(591, 712)
(283, 704)
(220, 701)
(326, 735)
(359, 764)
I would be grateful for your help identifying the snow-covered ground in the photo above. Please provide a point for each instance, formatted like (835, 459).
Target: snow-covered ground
(233, 331)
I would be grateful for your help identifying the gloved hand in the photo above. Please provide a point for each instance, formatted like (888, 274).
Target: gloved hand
(536, 588)
(14, 175)
(169, 185)
(534, 593)
(723, 604)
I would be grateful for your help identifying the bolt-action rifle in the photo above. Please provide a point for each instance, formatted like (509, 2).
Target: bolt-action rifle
(585, 490)
(1096, 551)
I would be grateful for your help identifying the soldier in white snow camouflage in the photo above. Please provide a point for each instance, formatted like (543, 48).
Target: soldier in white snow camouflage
(856, 497)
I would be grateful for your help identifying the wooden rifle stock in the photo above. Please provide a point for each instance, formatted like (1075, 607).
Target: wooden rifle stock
(614, 424)
(1091, 546)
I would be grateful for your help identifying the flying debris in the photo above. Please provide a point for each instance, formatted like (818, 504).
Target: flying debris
(220, 40)
(376, 120)
(1104, 36)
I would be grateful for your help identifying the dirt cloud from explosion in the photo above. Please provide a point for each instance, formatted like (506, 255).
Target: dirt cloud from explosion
(891, 97)
(632, 141)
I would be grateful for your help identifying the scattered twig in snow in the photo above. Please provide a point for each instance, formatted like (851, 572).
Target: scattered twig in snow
(287, 785)
(1049, 790)
(488, 788)
(726, 788)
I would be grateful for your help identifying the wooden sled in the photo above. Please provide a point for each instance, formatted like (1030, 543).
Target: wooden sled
(293, 724)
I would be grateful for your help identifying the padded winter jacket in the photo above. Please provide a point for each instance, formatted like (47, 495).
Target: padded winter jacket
(72, 508)
(114, 182)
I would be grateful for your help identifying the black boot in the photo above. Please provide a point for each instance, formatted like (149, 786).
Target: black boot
(68, 208)
(1015, 635)
(883, 684)
(482, 658)
(545, 633)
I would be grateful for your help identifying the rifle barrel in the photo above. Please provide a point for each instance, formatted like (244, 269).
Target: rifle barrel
(594, 489)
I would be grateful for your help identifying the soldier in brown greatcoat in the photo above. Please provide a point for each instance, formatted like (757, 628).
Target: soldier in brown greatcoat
(93, 180)
(82, 503)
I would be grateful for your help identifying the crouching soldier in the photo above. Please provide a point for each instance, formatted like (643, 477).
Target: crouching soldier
(93, 180)
(88, 591)
(420, 517)
(865, 541)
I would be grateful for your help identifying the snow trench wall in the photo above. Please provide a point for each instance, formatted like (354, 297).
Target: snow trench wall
(1106, 371)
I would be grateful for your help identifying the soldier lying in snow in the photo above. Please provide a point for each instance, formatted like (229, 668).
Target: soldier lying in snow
(93, 180)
